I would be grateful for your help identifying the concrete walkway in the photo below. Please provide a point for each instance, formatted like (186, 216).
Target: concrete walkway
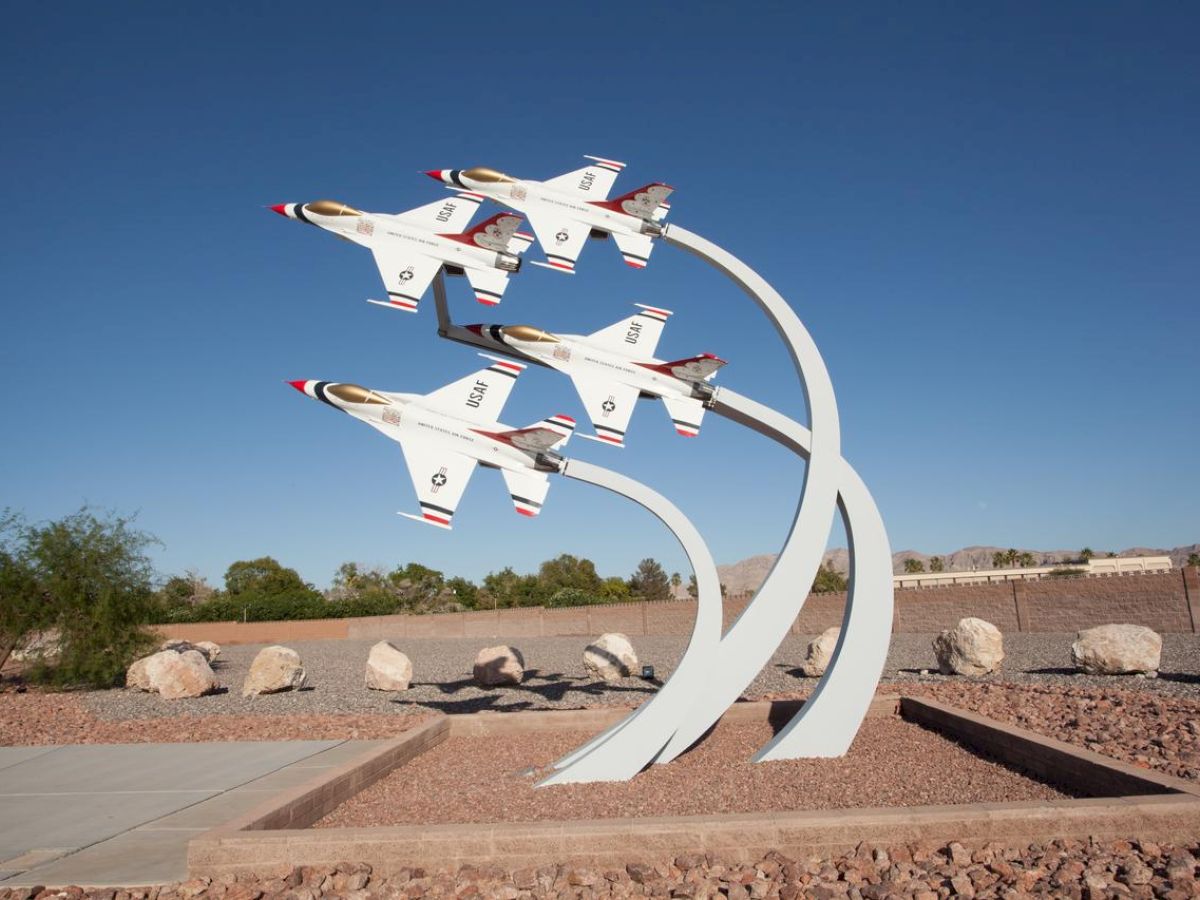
(122, 814)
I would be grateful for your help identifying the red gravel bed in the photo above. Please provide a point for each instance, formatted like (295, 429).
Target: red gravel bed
(1144, 729)
(34, 718)
(477, 779)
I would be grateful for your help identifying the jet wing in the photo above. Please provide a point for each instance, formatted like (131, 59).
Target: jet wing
(591, 182)
(406, 276)
(440, 476)
(609, 405)
(480, 397)
(635, 248)
(561, 238)
(527, 489)
(636, 335)
(449, 216)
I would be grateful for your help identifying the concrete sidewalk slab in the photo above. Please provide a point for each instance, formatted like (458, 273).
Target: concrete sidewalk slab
(122, 814)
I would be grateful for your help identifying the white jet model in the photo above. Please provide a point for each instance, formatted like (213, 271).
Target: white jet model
(564, 211)
(411, 246)
(613, 367)
(445, 434)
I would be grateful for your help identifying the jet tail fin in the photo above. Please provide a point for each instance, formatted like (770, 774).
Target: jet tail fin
(647, 202)
(694, 368)
(491, 234)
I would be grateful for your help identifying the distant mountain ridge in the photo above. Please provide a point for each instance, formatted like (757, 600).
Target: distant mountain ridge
(745, 576)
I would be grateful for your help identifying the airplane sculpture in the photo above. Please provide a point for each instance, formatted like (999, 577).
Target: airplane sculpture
(446, 433)
(613, 367)
(564, 211)
(410, 247)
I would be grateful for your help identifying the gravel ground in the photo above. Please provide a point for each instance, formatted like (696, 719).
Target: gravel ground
(921, 871)
(555, 677)
(488, 779)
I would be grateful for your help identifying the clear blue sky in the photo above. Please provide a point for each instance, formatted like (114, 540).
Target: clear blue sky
(986, 215)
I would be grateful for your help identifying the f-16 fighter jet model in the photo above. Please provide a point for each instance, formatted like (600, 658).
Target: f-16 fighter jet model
(564, 211)
(411, 246)
(445, 434)
(615, 366)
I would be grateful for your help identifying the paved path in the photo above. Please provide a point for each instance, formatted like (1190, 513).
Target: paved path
(122, 814)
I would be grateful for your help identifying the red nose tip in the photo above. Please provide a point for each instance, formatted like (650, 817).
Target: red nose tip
(281, 209)
(435, 174)
(476, 329)
(298, 385)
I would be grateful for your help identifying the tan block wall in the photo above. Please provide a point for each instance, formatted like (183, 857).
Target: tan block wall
(1166, 602)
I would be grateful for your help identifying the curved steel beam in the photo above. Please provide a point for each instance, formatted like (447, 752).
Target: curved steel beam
(624, 750)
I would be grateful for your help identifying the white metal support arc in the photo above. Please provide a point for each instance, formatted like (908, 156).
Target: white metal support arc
(828, 721)
(761, 627)
(622, 751)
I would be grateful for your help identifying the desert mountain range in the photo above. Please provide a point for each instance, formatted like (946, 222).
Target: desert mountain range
(748, 574)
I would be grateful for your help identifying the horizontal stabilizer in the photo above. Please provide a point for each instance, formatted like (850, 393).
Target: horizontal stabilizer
(402, 305)
(427, 520)
(635, 248)
(686, 415)
(527, 489)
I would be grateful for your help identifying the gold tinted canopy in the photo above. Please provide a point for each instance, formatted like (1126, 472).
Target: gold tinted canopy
(356, 393)
(482, 173)
(331, 208)
(528, 333)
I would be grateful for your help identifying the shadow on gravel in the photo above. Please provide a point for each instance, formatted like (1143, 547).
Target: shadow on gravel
(1053, 670)
(552, 687)
(1179, 677)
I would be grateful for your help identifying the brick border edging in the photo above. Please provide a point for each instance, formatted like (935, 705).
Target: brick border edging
(1163, 808)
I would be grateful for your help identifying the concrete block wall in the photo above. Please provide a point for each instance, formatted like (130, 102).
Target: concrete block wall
(1166, 602)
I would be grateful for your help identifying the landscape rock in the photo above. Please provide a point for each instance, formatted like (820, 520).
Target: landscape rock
(819, 652)
(1117, 650)
(179, 645)
(499, 665)
(39, 645)
(176, 676)
(388, 669)
(972, 647)
(136, 676)
(274, 669)
(610, 657)
(210, 650)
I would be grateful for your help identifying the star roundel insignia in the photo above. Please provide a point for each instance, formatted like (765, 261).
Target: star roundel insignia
(438, 479)
(406, 275)
(608, 406)
(561, 236)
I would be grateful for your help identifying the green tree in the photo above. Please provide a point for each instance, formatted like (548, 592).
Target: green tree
(1086, 554)
(1193, 559)
(23, 608)
(1026, 560)
(828, 580)
(614, 590)
(937, 564)
(650, 581)
(95, 580)
(465, 592)
(692, 588)
(913, 566)
(567, 571)
(998, 559)
(676, 581)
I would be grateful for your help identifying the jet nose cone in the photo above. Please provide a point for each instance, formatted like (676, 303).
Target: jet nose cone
(280, 208)
(438, 175)
(298, 385)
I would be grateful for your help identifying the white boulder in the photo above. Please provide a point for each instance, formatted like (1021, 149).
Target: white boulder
(388, 669)
(972, 647)
(136, 676)
(819, 652)
(178, 675)
(1117, 650)
(610, 657)
(499, 665)
(210, 650)
(274, 669)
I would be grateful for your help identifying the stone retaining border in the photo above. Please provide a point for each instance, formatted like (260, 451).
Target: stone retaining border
(1130, 802)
